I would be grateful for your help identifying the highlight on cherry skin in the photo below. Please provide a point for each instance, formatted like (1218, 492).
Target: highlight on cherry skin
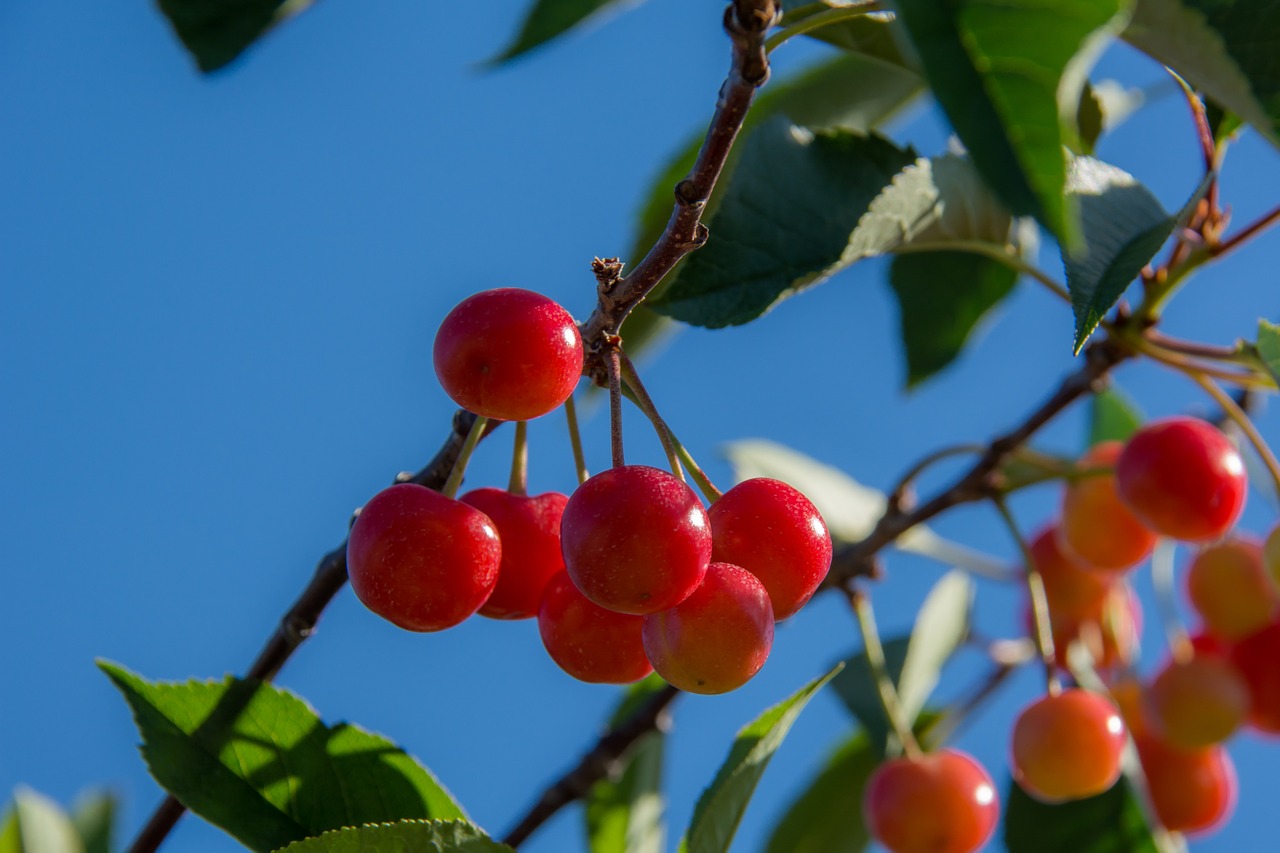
(587, 641)
(529, 528)
(421, 560)
(1067, 746)
(941, 802)
(509, 354)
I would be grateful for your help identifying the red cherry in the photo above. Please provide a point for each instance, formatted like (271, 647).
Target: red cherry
(635, 539)
(943, 802)
(1074, 592)
(1097, 528)
(1192, 791)
(1229, 587)
(588, 642)
(1068, 746)
(1271, 555)
(1196, 703)
(530, 531)
(716, 639)
(775, 532)
(508, 353)
(1183, 478)
(1257, 657)
(421, 560)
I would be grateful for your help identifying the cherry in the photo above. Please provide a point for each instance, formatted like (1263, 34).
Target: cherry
(421, 560)
(1096, 527)
(943, 802)
(508, 353)
(775, 532)
(588, 642)
(1196, 703)
(635, 539)
(1256, 658)
(716, 639)
(530, 531)
(1074, 592)
(1192, 791)
(1110, 632)
(1183, 478)
(1271, 555)
(1230, 589)
(1068, 746)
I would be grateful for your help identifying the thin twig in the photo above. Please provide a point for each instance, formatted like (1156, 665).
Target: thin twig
(518, 482)
(575, 441)
(1259, 225)
(1039, 601)
(874, 651)
(615, 408)
(640, 395)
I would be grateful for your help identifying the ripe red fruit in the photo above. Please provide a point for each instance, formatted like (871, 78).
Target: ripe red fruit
(508, 353)
(775, 532)
(943, 802)
(1192, 791)
(635, 539)
(1183, 478)
(529, 528)
(1074, 592)
(1271, 555)
(421, 560)
(1229, 587)
(588, 642)
(716, 639)
(1096, 527)
(1257, 657)
(1196, 703)
(1068, 746)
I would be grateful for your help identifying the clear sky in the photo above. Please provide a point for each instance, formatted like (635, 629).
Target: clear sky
(219, 300)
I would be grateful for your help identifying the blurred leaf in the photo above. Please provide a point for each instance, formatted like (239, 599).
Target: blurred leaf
(549, 19)
(217, 31)
(997, 70)
(942, 296)
(1219, 46)
(1111, 822)
(94, 817)
(1269, 347)
(1113, 416)
(1223, 123)
(1089, 121)
(871, 34)
(406, 836)
(722, 804)
(857, 689)
(256, 761)
(36, 824)
(625, 816)
(827, 816)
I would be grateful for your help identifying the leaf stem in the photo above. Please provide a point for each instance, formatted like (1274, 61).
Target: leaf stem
(575, 440)
(451, 485)
(1039, 601)
(819, 19)
(997, 253)
(893, 710)
(1185, 364)
(518, 483)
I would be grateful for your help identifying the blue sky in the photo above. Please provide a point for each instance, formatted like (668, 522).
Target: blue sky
(219, 300)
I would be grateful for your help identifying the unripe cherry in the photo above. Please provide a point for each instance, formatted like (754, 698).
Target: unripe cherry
(1067, 746)
(1230, 589)
(420, 560)
(1183, 478)
(776, 533)
(1257, 657)
(943, 802)
(588, 642)
(508, 353)
(1097, 527)
(635, 539)
(530, 531)
(718, 638)
(1073, 590)
(1192, 791)
(1196, 703)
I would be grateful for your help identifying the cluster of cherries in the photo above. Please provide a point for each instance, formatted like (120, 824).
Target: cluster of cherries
(1179, 478)
(629, 574)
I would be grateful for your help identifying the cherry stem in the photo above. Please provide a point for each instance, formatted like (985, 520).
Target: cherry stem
(708, 489)
(640, 395)
(889, 701)
(1039, 601)
(1162, 578)
(464, 456)
(1259, 225)
(518, 484)
(615, 407)
(962, 711)
(575, 440)
(1185, 364)
(1233, 411)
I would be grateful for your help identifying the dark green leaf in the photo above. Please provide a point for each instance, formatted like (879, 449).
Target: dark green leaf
(1111, 822)
(406, 836)
(36, 824)
(827, 816)
(1089, 121)
(1223, 123)
(625, 815)
(257, 761)
(217, 31)
(872, 34)
(722, 804)
(1113, 416)
(783, 224)
(1226, 48)
(94, 818)
(1269, 347)
(997, 70)
(548, 19)
(942, 297)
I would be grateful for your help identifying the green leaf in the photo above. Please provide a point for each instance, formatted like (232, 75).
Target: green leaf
(722, 804)
(217, 31)
(1111, 822)
(257, 761)
(549, 19)
(1113, 416)
(856, 687)
(827, 816)
(1269, 347)
(36, 824)
(625, 815)
(998, 70)
(406, 836)
(942, 296)
(1089, 121)
(94, 817)
(1226, 48)
(874, 34)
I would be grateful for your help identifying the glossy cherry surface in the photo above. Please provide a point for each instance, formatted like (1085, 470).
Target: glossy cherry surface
(943, 802)
(529, 528)
(588, 642)
(1074, 591)
(1096, 527)
(1197, 702)
(1230, 588)
(1192, 791)
(1257, 657)
(1068, 746)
